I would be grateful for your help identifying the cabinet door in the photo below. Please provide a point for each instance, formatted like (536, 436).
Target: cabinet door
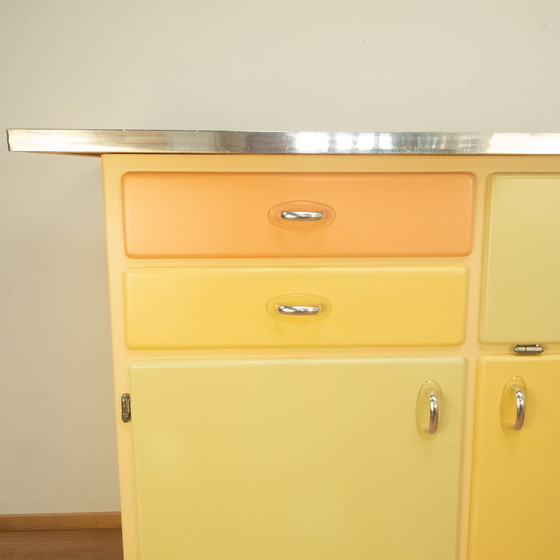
(515, 509)
(296, 458)
(521, 299)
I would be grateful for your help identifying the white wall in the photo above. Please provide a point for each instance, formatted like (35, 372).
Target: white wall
(358, 65)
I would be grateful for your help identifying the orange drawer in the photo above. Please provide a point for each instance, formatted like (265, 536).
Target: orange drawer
(178, 215)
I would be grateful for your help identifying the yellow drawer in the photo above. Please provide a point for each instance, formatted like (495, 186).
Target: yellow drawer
(174, 308)
(168, 215)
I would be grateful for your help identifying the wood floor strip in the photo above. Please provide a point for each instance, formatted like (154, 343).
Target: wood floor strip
(60, 521)
(96, 544)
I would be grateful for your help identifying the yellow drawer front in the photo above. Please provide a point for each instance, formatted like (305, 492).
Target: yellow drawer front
(521, 300)
(285, 459)
(515, 508)
(173, 308)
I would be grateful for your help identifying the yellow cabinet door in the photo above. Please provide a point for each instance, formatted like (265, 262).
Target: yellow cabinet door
(235, 307)
(515, 508)
(521, 299)
(297, 458)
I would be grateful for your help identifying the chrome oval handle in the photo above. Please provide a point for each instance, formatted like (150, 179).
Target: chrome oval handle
(298, 309)
(520, 405)
(428, 417)
(301, 216)
(434, 412)
(515, 387)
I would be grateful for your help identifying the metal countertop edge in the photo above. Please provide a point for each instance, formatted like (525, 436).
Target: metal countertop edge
(95, 142)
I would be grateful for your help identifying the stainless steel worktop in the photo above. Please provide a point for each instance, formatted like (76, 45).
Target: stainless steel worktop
(97, 142)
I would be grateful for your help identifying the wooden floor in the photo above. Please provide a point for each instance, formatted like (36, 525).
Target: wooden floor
(91, 544)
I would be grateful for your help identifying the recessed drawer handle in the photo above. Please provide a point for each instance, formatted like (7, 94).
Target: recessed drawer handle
(301, 216)
(298, 309)
(515, 388)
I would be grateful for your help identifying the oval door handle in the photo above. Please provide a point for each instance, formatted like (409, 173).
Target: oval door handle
(434, 413)
(514, 393)
(428, 408)
(301, 216)
(298, 309)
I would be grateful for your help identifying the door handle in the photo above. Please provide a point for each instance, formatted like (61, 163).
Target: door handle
(428, 408)
(514, 396)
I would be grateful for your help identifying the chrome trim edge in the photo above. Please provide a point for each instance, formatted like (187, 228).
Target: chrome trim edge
(97, 142)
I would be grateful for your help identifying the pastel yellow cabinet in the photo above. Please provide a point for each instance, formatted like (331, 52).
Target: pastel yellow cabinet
(298, 458)
(515, 503)
(521, 295)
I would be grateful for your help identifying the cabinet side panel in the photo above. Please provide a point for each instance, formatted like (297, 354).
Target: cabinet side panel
(112, 173)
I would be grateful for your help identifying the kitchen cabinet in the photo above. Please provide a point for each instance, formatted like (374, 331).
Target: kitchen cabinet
(257, 352)
(296, 339)
(515, 492)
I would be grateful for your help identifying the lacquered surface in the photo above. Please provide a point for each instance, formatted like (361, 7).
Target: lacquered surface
(277, 459)
(97, 142)
(521, 298)
(234, 214)
(515, 510)
(482, 167)
(172, 308)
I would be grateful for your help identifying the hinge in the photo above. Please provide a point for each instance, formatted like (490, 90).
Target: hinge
(529, 349)
(125, 407)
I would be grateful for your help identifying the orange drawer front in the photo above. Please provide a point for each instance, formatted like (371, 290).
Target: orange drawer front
(181, 215)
